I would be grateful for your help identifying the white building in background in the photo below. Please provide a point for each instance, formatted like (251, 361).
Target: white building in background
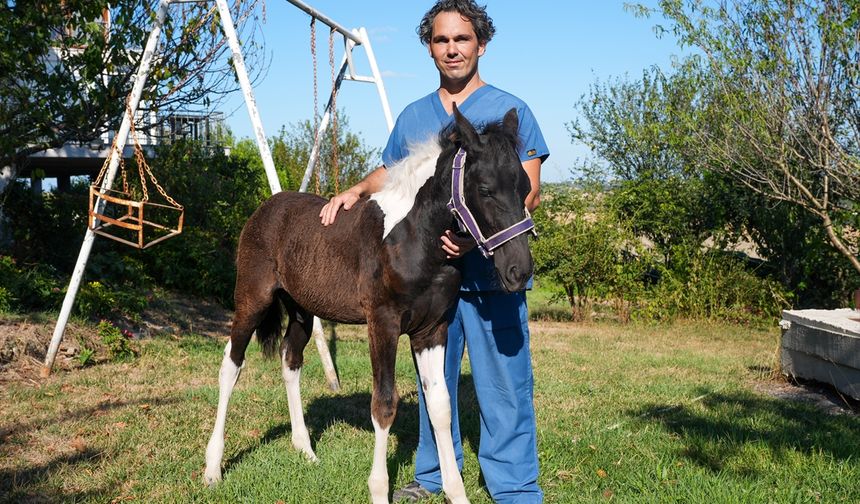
(86, 158)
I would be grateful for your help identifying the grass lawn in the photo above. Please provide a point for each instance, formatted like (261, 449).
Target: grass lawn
(636, 413)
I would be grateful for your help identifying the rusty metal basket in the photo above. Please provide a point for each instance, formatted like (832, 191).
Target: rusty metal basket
(130, 221)
(136, 222)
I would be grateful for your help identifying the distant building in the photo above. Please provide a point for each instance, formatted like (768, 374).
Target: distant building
(86, 158)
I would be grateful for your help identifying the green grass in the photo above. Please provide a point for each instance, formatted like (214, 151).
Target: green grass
(544, 303)
(638, 413)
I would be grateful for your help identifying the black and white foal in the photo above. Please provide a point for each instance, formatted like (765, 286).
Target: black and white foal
(380, 263)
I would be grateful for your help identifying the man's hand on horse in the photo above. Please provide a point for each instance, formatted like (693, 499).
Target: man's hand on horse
(345, 199)
(456, 246)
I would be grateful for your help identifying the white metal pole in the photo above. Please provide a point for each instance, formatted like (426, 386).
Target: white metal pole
(325, 19)
(115, 155)
(380, 88)
(248, 91)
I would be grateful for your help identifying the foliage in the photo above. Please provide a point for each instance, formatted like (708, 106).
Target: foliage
(96, 299)
(85, 357)
(6, 300)
(117, 342)
(29, 287)
(710, 284)
(291, 150)
(66, 72)
(647, 135)
(219, 193)
(782, 107)
(594, 258)
(642, 131)
(797, 254)
(47, 228)
(581, 248)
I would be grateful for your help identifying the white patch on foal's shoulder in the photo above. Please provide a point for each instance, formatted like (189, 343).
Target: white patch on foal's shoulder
(404, 180)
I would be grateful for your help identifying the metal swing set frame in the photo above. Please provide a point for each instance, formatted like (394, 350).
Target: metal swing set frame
(352, 38)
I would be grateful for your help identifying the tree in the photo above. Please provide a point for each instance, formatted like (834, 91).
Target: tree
(643, 132)
(291, 150)
(67, 66)
(783, 115)
(581, 247)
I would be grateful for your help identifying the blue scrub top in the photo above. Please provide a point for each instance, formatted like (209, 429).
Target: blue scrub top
(423, 119)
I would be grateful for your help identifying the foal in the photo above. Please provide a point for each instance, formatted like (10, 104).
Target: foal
(380, 263)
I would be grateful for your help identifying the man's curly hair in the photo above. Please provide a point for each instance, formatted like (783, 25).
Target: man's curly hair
(481, 22)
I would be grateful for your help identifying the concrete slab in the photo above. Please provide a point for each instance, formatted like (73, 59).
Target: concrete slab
(823, 345)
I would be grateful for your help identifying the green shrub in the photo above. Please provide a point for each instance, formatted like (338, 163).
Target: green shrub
(710, 284)
(584, 251)
(85, 358)
(95, 300)
(117, 342)
(219, 194)
(98, 300)
(32, 287)
(6, 300)
(45, 229)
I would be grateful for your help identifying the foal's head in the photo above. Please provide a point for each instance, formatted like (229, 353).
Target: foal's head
(495, 189)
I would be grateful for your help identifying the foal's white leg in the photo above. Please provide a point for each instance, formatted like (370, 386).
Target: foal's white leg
(431, 371)
(378, 480)
(227, 378)
(301, 439)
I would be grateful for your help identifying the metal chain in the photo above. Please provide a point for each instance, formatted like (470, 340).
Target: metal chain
(316, 173)
(113, 151)
(334, 167)
(141, 162)
(124, 177)
(143, 165)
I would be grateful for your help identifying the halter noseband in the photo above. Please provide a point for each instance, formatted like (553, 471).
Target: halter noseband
(466, 220)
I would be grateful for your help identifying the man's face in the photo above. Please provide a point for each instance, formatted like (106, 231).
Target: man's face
(454, 47)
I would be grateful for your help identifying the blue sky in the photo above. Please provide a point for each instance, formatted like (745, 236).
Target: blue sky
(546, 52)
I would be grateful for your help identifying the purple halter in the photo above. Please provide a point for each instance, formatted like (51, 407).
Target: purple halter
(466, 220)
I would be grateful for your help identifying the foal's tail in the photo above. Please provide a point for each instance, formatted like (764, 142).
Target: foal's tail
(270, 330)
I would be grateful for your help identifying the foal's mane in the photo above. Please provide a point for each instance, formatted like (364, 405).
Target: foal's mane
(404, 180)
(407, 176)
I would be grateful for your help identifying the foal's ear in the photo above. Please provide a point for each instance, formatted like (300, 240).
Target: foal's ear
(463, 132)
(511, 122)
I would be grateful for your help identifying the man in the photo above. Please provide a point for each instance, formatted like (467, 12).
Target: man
(493, 324)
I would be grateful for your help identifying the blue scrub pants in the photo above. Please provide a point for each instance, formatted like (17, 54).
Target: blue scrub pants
(494, 326)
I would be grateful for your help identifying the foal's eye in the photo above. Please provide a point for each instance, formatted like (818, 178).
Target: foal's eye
(484, 191)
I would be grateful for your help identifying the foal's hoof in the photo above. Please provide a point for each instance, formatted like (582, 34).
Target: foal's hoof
(304, 446)
(311, 456)
(211, 478)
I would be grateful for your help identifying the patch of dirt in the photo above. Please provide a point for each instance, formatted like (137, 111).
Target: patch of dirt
(24, 340)
(822, 396)
(24, 343)
(178, 314)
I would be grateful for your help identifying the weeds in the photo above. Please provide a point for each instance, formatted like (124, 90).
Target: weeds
(86, 356)
(117, 342)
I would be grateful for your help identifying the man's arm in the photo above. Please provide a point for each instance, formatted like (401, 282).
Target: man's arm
(370, 184)
(532, 168)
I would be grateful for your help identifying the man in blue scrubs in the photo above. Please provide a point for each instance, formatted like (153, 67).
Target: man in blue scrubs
(493, 325)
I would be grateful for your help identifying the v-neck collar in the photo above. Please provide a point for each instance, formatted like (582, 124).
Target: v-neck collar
(443, 114)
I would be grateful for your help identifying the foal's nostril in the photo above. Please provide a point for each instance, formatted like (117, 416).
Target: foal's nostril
(515, 276)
